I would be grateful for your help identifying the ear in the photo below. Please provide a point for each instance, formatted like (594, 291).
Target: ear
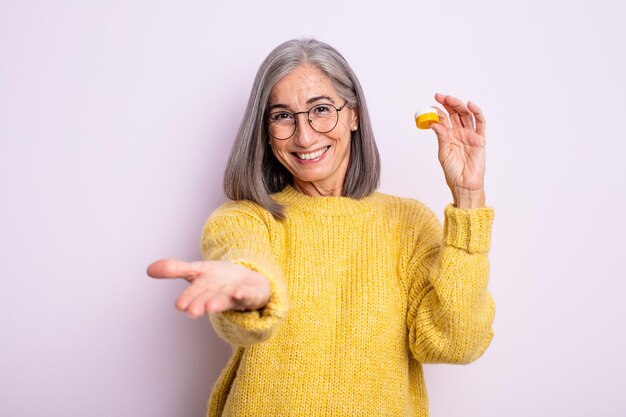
(354, 119)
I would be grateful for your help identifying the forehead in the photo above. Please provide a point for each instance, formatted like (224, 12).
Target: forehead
(302, 83)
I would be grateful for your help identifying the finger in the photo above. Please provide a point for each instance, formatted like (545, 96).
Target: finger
(174, 268)
(461, 108)
(190, 294)
(481, 123)
(441, 128)
(455, 119)
(444, 120)
(247, 298)
(196, 310)
(227, 298)
(199, 305)
(220, 302)
(453, 104)
(440, 131)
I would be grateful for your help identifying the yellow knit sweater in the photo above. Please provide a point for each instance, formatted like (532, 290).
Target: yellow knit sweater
(363, 292)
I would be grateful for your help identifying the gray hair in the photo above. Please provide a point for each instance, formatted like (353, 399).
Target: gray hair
(253, 172)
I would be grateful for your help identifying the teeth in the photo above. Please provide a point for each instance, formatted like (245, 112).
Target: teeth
(312, 155)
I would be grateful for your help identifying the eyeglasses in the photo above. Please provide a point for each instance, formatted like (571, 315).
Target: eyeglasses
(322, 118)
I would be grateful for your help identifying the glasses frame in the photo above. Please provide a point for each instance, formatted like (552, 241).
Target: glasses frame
(295, 119)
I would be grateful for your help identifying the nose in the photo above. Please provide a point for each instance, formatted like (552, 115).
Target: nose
(304, 135)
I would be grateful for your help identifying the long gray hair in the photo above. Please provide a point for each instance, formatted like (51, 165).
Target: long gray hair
(253, 172)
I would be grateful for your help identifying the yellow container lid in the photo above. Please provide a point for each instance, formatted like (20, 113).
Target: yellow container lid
(424, 118)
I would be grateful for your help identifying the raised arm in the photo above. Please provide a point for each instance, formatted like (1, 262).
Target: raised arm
(450, 309)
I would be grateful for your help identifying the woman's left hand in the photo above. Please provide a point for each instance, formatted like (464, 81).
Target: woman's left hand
(462, 141)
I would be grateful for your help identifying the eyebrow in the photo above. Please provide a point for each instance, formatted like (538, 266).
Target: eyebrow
(309, 101)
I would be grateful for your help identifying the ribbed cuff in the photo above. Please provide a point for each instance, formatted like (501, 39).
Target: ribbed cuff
(468, 229)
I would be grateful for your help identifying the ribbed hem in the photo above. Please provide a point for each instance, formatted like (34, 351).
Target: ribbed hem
(468, 229)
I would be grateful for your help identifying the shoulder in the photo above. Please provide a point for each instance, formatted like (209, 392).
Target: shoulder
(405, 210)
(240, 214)
(241, 208)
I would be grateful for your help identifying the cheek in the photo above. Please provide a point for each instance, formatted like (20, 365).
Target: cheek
(342, 136)
(279, 153)
(345, 129)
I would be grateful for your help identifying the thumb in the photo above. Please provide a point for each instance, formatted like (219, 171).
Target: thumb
(174, 268)
(440, 130)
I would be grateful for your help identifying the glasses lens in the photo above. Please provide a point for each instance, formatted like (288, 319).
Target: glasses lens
(323, 118)
(282, 125)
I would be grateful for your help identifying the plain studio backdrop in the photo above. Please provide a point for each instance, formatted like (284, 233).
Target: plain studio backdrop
(116, 121)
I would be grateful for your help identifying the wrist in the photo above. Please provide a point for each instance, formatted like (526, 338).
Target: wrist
(468, 199)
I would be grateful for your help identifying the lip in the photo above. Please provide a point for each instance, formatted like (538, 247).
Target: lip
(310, 161)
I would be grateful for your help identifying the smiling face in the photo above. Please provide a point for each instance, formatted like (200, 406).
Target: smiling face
(317, 161)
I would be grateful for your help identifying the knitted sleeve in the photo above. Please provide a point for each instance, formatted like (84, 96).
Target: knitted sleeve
(450, 311)
(241, 233)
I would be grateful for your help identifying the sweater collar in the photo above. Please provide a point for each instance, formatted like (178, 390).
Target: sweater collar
(335, 206)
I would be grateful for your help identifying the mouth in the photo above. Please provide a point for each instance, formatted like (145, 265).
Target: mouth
(311, 155)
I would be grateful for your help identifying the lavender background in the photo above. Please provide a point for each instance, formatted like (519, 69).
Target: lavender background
(116, 119)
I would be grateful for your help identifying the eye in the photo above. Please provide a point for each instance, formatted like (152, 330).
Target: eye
(281, 117)
(321, 110)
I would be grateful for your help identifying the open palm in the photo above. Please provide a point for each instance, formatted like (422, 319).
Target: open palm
(216, 286)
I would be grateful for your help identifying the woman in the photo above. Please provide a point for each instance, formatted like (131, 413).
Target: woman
(332, 294)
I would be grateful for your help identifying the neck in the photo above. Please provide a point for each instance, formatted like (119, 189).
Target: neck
(313, 189)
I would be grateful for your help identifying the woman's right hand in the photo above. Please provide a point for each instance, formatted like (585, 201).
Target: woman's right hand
(216, 286)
